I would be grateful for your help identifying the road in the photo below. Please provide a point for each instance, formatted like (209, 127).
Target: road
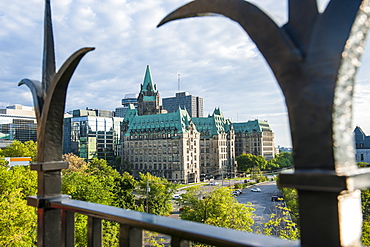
(261, 202)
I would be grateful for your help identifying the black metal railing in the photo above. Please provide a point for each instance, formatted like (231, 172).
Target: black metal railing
(133, 223)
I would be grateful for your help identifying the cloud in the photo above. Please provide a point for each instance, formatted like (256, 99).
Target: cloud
(214, 56)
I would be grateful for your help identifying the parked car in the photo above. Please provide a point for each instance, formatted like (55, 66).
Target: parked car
(256, 190)
(240, 191)
(213, 183)
(277, 198)
(176, 197)
(235, 193)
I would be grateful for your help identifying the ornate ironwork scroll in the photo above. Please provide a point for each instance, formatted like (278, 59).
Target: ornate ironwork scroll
(314, 58)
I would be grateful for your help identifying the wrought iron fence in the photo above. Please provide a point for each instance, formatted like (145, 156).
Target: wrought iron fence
(133, 224)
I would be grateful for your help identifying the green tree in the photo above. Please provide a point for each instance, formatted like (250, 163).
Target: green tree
(91, 182)
(363, 164)
(280, 224)
(272, 165)
(366, 233)
(156, 194)
(284, 159)
(3, 162)
(20, 149)
(17, 221)
(249, 161)
(124, 185)
(217, 208)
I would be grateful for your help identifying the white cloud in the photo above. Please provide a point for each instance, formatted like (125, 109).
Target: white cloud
(215, 57)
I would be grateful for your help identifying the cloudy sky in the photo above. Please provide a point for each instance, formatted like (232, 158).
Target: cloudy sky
(213, 55)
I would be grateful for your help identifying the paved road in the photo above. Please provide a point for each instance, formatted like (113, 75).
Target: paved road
(261, 202)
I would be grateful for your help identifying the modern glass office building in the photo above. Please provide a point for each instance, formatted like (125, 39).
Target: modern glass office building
(89, 135)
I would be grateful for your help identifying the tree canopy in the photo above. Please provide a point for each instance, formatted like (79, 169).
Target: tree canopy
(249, 161)
(218, 208)
(156, 194)
(20, 149)
(17, 221)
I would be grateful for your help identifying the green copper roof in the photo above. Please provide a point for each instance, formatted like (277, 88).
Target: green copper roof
(149, 98)
(213, 124)
(130, 113)
(148, 82)
(178, 122)
(252, 126)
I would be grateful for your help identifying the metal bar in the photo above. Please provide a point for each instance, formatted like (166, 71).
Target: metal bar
(48, 219)
(136, 237)
(49, 166)
(94, 232)
(323, 180)
(131, 236)
(178, 242)
(192, 231)
(68, 228)
(124, 235)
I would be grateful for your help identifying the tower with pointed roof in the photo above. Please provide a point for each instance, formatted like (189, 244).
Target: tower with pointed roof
(148, 99)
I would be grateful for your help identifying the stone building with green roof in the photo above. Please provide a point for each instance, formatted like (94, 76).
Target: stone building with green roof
(217, 145)
(165, 145)
(184, 149)
(254, 137)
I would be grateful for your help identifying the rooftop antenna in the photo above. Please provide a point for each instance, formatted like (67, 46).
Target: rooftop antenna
(178, 81)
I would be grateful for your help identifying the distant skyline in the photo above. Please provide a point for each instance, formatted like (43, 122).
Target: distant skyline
(215, 58)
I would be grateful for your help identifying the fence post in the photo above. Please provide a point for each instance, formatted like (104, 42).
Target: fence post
(49, 97)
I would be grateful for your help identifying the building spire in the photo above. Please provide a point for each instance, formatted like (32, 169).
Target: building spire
(148, 82)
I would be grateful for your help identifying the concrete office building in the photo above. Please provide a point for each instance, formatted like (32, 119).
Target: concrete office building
(193, 104)
(17, 122)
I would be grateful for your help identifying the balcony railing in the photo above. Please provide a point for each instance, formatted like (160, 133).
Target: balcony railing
(314, 58)
(133, 224)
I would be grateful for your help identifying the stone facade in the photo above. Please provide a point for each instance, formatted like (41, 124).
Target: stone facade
(254, 137)
(217, 145)
(148, 99)
(165, 145)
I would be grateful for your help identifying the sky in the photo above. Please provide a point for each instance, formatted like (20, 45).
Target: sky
(215, 58)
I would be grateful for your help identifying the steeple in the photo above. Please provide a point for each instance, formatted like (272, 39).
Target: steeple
(148, 100)
(148, 85)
